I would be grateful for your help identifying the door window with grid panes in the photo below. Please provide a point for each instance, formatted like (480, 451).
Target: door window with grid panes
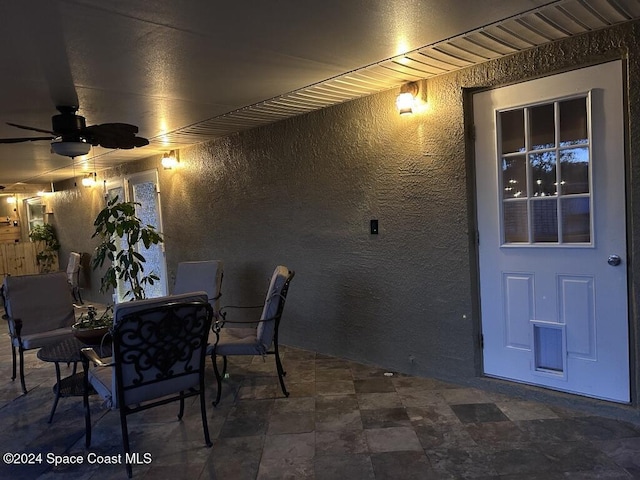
(545, 166)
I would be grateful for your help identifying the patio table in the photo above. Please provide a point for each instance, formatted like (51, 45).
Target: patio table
(68, 351)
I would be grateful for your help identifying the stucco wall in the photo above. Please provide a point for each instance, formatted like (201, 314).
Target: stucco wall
(301, 193)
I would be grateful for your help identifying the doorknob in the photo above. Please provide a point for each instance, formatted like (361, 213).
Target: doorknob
(614, 260)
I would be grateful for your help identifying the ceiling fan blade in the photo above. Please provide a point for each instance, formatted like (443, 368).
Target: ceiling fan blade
(112, 129)
(24, 139)
(115, 135)
(44, 19)
(24, 127)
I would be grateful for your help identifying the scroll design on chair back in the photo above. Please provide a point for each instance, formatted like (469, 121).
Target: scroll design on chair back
(156, 345)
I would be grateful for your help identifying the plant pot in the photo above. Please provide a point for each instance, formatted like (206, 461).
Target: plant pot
(89, 336)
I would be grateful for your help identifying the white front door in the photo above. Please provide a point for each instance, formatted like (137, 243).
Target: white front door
(550, 188)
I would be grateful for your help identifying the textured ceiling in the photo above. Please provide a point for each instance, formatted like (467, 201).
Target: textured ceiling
(186, 72)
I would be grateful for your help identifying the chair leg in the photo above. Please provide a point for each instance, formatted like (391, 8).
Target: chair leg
(224, 366)
(203, 411)
(181, 412)
(13, 355)
(22, 382)
(218, 378)
(125, 440)
(281, 372)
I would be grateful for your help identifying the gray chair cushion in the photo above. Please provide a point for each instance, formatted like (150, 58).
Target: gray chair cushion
(43, 302)
(42, 339)
(266, 330)
(238, 341)
(200, 276)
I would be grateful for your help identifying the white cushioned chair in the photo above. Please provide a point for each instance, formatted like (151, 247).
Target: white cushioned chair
(39, 310)
(200, 276)
(258, 338)
(159, 348)
(73, 275)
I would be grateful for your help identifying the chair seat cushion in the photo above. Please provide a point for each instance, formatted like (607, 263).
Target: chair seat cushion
(239, 341)
(42, 339)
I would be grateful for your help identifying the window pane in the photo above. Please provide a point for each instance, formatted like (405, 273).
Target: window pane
(514, 177)
(516, 225)
(542, 127)
(545, 220)
(543, 174)
(145, 194)
(573, 121)
(576, 220)
(512, 130)
(574, 170)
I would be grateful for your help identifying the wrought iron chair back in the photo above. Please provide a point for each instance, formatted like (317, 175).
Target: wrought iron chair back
(158, 357)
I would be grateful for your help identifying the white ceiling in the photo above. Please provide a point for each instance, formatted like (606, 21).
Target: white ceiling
(187, 71)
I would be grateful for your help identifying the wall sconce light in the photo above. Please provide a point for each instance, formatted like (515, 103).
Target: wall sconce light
(410, 97)
(169, 160)
(11, 199)
(89, 180)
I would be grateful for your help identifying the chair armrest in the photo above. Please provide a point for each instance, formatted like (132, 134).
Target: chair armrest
(15, 326)
(218, 324)
(92, 355)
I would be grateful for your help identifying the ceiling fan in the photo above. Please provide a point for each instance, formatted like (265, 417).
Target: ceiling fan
(71, 137)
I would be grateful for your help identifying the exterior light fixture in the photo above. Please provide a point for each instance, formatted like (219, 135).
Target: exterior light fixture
(11, 199)
(412, 98)
(89, 180)
(169, 160)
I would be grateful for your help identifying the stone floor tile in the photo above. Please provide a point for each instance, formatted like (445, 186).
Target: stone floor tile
(340, 387)
(478, 413)
(444, 436)
(523, 410)
(624, 451)
(373, 401)
(392, 439)
(374, 385)
(291, 422)
(329, 421)
(385, 417)
(404, 465)
(333, 374)
(344, 466)
(461, 462)
(432, 414)
(296, 445)
(285, 468)
(341, 442)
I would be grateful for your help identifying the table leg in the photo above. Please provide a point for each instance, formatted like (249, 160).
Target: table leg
(56, 390)
(85, 399)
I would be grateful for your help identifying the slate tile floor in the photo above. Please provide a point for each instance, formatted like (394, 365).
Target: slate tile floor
(342, 421)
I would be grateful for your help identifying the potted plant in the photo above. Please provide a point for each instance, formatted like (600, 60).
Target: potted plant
(118, 223)
(45, 236)
(90, 328)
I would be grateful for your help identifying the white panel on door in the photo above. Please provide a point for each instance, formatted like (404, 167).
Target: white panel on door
(518, 306)
(577, 311)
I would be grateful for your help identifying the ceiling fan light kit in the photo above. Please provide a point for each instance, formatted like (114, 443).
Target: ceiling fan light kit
(70, 149)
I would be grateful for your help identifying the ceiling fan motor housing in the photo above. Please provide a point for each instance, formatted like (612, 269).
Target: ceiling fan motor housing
(65, 123)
